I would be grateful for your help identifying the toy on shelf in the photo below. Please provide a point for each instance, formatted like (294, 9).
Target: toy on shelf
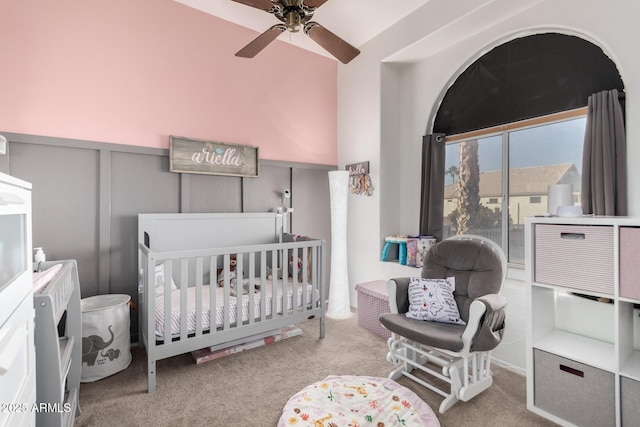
(417, 247)
(411, 249)
(395, 239)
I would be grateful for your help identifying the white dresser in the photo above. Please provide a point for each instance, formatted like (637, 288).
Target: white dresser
(17, 350)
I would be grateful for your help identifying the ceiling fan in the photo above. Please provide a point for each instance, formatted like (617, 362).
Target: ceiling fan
(296, 15)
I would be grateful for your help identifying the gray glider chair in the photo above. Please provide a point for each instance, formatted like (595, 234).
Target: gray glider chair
(459, 351)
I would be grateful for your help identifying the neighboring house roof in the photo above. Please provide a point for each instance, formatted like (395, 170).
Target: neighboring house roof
(533, 180)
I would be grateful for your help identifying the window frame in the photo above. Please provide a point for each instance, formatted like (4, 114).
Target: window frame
(504, 131)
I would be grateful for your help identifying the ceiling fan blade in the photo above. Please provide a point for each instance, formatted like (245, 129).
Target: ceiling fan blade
(258, 4)
(332, 43)
(260, 42)
(315, 3)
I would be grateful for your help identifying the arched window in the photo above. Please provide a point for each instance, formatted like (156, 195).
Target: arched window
(514, 121)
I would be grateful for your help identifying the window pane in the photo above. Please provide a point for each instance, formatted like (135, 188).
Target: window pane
(539, 157)
(473, 188)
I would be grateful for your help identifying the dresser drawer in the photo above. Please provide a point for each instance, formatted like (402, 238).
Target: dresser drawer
(17, 367)
(574, 256)
(578, 393)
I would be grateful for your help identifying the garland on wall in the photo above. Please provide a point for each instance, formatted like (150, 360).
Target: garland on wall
(359, 179)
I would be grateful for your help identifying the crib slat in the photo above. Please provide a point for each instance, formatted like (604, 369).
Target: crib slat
(315, 287)
(252, 287)
(213, 285)
(274, 286)
(239, 289)
(184, 270)
(304, 285)
(294, 281)
(263, 280)
(148, 313)
(199, 312)
(226, 290)
(282, 289)
(168, 274)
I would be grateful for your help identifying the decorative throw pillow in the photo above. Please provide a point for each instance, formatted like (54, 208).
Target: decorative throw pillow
(432, 299)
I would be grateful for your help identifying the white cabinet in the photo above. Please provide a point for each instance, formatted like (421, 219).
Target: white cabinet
(583, 328)
(17, 353)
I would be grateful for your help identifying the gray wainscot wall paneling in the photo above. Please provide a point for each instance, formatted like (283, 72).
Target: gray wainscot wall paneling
(275, 178)
(311, 214)
(87, 196)
(66, 202)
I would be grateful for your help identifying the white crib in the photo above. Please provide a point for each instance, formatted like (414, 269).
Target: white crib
(187, 281)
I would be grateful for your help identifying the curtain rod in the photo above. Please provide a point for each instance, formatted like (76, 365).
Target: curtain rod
(582, 111)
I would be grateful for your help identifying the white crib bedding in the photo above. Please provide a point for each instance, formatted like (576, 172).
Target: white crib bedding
(191, 306)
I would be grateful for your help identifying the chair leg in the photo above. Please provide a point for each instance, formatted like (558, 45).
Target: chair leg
(481, 377)
(447, 403)
(472, 390)
(455, 372)
(395, 350)
(396, 373)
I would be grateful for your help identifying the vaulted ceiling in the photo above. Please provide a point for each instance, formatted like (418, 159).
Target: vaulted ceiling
(356, 21)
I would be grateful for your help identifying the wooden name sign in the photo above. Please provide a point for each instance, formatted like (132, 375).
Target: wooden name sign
(359, 179)
(361, 168)
(211, 157)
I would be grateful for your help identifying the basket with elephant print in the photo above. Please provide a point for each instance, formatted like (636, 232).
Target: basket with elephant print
(105, 336)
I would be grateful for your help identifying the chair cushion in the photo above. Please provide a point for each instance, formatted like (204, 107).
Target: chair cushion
(476, 267)
(441, 335)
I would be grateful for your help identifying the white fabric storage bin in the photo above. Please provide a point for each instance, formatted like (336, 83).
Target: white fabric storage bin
(106, 347)
(574, 256)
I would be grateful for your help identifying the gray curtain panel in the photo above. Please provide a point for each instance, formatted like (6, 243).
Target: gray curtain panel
(604, 163)
(432, 197)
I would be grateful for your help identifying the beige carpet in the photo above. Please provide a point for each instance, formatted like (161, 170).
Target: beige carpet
(251, 388)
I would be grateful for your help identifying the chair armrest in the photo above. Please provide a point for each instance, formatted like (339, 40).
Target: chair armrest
(485, 326)
(493, 302)
(398, 290)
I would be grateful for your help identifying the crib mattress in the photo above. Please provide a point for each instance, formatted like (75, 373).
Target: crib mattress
(267, 289)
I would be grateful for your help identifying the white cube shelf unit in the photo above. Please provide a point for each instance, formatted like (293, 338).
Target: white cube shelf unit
(583, 323)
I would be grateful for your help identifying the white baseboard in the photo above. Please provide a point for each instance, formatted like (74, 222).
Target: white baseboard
(510, 367)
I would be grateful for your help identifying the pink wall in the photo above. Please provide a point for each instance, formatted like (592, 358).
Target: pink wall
(136, 71)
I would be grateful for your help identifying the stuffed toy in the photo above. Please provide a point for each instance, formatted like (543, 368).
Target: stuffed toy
(245, 287)
(270, 273)
(298, 261)
(280, 273)
(233, 278)
(233, 262)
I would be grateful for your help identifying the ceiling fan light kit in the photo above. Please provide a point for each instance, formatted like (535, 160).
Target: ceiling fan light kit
(296, 15)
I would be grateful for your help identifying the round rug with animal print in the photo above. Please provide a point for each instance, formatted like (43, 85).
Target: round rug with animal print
(356, 401)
